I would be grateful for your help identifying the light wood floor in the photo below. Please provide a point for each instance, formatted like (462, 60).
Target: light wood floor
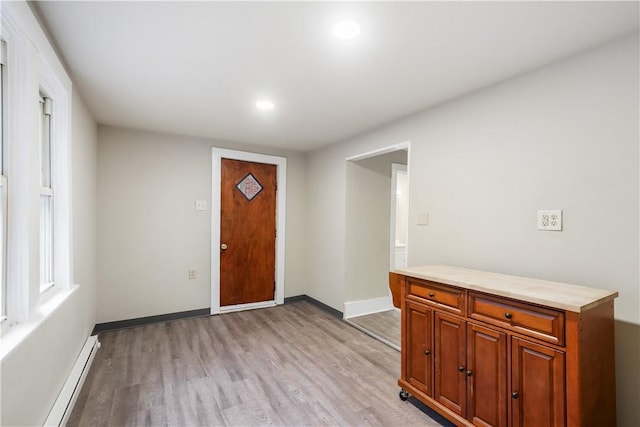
(291, 365)
(385, 325)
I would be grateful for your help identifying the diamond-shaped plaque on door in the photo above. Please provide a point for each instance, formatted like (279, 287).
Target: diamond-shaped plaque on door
(249, 187)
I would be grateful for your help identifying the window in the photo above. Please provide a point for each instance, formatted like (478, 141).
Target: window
(46, 195)
(35, 164)
(3, 189)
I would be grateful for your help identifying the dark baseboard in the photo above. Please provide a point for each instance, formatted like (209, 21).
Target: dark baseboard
(332, 311)
(289, 300)
(140, 321)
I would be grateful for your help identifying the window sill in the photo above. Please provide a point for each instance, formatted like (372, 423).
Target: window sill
(17, 334)
(46, 287)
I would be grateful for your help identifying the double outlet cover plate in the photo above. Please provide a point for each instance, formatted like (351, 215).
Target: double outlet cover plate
(550, 220)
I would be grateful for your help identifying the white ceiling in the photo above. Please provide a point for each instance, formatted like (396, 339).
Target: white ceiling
(197, 68)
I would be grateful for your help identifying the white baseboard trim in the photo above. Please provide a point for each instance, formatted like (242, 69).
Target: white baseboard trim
(61, 410)
(369, 306)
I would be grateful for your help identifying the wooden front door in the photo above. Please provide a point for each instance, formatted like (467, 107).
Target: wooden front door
(247, 232)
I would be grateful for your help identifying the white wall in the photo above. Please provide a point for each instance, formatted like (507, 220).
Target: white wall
(564, 137)
(33, 375)
(85, 188)
(561, 137)
(326, 225)
(149, 234)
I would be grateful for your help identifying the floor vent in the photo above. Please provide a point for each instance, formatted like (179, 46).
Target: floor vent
(67, 398)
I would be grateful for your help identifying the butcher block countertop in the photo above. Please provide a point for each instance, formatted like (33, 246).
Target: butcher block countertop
(552, 294)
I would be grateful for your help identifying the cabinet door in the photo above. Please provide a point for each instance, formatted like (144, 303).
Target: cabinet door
(486, 376)
(537, 385)
(450, 362)
(419, 353)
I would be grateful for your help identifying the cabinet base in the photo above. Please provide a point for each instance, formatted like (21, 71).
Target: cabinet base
(437, 407)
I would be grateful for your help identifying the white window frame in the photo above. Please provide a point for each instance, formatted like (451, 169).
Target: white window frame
(62, 259)
(47, 204)
(3, 185)
(34, 69)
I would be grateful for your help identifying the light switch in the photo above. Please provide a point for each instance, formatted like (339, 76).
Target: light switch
(193, 273)
(201, 205)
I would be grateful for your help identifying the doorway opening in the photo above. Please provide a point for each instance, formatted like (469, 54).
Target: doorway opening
(399, 224)
(375, 238)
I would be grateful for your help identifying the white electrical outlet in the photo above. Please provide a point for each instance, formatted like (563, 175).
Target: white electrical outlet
(201, 205)
(193, 273)
(550, 220)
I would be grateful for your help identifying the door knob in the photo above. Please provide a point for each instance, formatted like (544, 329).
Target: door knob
(223, 246)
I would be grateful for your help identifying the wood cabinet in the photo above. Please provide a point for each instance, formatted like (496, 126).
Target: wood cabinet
(419, 371)
(537, 382)
(487, 382)
(450, 361)
(480, 357)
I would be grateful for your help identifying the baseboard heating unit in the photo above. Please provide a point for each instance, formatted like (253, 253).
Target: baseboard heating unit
(69, 394)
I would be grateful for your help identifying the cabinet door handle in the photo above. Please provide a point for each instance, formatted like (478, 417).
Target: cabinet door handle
(431, 294)
(508, 315)
(427, 352)
(515, 395)
(461, 369)
(469, 373)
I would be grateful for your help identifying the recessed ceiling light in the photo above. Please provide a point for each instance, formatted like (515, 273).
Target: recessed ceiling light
(265, 105)
(346, 30)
